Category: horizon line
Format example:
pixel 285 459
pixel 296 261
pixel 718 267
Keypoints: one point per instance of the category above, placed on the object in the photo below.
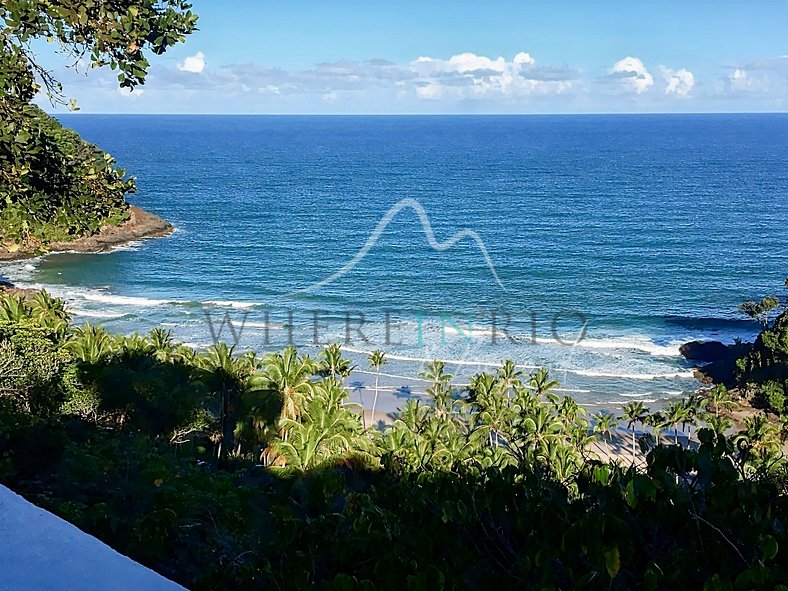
pixel 383 114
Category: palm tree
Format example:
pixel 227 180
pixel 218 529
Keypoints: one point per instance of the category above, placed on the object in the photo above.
pixel 226 375
pixel 508 377
pixel 676 413
pixel 539 429
pixel 13 308
pixel 604 423
pixel 440 388
pixel 489 406
pixel 633 413
pixel 540 381
pixel 413 416
pixel 329 394
pixel 131 345
pixel 719 399
pixel 290 375
pixel 435 372
pixel 562 460
pixel 49 312
pixel 568 410
pixel 762 436
pixel 377 359
pixel 693 405
pixel 480 387
pixel 161 344
pixel 657 422
pixel 311 444
pixel 718 423
pixel 183 354
pixel 90 344
pixel 332 362
pixel 326 431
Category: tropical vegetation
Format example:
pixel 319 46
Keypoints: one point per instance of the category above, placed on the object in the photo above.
pixel 54 186
pixel 763 372
pixel 225 469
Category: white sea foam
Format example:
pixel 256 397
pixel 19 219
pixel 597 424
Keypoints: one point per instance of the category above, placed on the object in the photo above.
pixel 635 344
pixel 229 304
pixel 631 376
pixel 478 363
pixel 485 335
pixel 197 346
pixel 581 372
pixel 255 324
pixel 129 246
pixel 466 332
pixel 118 300
pixel 96 313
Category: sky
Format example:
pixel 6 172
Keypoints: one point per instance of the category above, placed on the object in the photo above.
pixel 455 57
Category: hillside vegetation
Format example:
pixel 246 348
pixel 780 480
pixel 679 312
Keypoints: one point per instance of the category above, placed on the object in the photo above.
pixel 226 471
pixel 53 185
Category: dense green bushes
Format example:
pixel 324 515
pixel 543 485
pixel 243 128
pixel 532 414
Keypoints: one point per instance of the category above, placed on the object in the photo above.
pixel 54 186
pixel 225 471
pixel 764 370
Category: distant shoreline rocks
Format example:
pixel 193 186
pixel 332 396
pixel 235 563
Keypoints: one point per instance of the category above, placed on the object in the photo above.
pixel 717 361
pixel 140 225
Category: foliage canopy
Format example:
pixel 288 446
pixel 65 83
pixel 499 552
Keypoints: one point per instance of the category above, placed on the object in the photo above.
pixel 225 470
pixel 53 185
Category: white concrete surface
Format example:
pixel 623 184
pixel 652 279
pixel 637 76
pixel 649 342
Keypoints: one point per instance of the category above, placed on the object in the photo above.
pixel 41 552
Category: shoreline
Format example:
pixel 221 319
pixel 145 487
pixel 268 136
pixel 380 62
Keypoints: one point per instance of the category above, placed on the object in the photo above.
pixel 141 225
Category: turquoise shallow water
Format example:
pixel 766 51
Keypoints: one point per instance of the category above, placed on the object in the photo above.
pixel 646 230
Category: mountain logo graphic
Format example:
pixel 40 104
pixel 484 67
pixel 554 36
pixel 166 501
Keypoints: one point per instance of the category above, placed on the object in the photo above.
pixel 425 223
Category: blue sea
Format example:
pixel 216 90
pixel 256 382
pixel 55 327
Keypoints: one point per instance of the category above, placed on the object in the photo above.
pixel 592 245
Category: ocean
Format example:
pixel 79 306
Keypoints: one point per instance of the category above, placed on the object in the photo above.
pixel 591 245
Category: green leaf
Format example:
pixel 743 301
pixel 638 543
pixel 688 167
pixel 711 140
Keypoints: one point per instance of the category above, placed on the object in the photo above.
pixel 715 583
pixel 612 561
pixel 651 578
pixel 769 547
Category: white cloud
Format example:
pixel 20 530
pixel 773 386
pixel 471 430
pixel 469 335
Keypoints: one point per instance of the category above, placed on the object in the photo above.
pixel 765 79
pixel 133 93
pixel 679 82
pixel 194 63
pixel 633 74
pixel 523 58
pixel 739 80
pixel 470 76
pixel 464 76
pixel 464 82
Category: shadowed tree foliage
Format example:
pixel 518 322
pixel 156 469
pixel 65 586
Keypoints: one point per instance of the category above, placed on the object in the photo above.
pixel 501 488
pixel 764 370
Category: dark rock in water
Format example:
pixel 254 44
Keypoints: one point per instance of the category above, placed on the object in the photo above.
pixel 9 289
pixel 718 360
pixel 713 351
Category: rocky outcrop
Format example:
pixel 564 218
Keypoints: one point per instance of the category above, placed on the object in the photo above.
pixel 716 360
pixel 141 224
